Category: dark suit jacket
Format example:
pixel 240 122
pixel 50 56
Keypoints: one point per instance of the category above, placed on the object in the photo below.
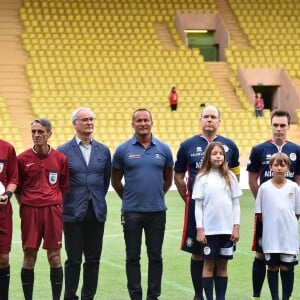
pixel 87 183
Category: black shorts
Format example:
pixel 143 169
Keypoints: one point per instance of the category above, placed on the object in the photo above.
pixel 188 240
pixel 218 246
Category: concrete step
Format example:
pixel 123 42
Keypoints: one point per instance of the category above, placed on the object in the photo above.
pixel 16 94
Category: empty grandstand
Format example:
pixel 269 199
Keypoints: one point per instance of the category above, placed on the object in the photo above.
pixel 117 55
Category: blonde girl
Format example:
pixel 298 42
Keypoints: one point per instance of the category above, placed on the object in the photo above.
pixel 217 212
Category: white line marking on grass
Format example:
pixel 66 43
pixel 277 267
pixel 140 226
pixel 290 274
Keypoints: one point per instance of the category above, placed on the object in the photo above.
pixel 167 232
pixel 173 284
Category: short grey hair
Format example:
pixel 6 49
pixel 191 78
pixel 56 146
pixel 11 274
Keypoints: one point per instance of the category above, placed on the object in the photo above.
pixel 77 110
pixel 44 122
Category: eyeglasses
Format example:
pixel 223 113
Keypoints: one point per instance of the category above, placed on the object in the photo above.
pixel 85 120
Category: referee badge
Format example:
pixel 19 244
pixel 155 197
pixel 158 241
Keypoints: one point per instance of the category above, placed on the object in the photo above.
pixel 52 177
pixel 206 250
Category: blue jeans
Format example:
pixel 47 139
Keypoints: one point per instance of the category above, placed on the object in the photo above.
pixel 153 225
pixel 259 113
pixel 83 238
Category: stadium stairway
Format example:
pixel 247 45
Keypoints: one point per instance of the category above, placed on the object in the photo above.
pixel 237 36
pixel 14 87
pixel 165 36
pixel 220 73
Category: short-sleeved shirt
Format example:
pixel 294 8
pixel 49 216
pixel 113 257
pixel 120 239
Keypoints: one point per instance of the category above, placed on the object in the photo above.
pixel 43 178
pixel 8 164
pixel 260 157
pixel 8 175
pixel 191 152
pixel 143 174
pixel 279 207
pixel 259 103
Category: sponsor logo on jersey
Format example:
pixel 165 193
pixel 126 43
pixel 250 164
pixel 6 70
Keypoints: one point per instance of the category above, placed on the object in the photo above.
pixel 198 152
pixel 134 156
pixel 53 177
pixel 288 174
pixel 1 167
pixel 198 164
pixel 199 149
pixel 29 164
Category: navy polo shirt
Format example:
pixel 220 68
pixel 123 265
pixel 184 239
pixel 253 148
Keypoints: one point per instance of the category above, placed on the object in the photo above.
pixel 143 174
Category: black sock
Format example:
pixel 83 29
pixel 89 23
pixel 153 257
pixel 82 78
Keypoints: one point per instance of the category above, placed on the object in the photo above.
pixel 4 283
pixel 196 267
pixel 220 287
pixel 258 275
pixel 287 282
pixel 56 278
pixel 273 283
pixel 27 278
pixel 208 286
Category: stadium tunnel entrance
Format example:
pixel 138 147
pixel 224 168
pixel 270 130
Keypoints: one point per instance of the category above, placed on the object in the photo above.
pixel 268 94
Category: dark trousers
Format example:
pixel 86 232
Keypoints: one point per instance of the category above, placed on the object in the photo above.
pixel 83 238
pixel 153 225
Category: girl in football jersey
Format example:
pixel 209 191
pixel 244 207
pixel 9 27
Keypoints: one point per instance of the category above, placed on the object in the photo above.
pixel 278 205
pixel 217 212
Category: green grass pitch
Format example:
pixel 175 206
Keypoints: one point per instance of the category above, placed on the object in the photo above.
pixel 176 284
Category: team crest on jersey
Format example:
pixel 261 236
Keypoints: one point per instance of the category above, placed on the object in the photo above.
pixel 1 167
pixel 53 177
pixel 206 250
pixel 189 242
pixel 225 148
pixel 267 256
pixel 293 156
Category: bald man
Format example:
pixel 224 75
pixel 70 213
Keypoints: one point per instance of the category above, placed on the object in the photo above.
pixel 187 165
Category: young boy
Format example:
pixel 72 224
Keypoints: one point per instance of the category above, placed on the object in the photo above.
pixel 278 205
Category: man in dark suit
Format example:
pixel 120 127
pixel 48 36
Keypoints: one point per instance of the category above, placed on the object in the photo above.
pixel 85 207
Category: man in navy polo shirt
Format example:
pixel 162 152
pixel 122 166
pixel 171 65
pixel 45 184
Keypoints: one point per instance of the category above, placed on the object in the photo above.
pixel 147 166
